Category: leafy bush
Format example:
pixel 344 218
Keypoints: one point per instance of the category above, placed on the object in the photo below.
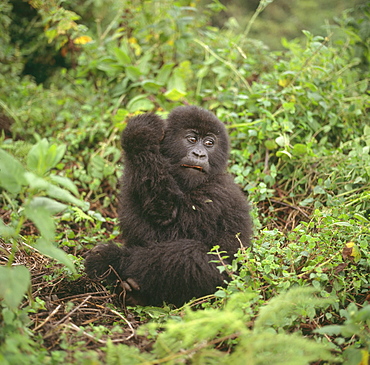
pixel 32 196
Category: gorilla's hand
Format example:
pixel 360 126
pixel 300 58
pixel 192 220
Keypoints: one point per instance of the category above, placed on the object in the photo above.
pixel 131 293
pixel 142 133
pixel 103 261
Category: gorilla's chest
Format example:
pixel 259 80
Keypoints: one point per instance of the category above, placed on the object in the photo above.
pixel 199 217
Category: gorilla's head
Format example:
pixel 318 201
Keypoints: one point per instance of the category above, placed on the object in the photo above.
pixel 197 145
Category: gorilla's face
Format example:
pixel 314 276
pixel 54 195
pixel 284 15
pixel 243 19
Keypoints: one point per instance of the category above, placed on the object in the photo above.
pixel 196 144
pixel 198 149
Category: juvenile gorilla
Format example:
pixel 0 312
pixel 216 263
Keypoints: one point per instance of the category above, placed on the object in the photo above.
pixel 177 202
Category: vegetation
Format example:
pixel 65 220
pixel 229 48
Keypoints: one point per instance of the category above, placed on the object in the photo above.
pixel 300 150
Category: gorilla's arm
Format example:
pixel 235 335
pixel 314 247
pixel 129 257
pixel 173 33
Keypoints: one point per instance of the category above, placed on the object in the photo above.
pixel 148 181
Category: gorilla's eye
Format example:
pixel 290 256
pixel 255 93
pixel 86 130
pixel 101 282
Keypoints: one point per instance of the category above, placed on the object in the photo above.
pixel 192 139
pixel 209 142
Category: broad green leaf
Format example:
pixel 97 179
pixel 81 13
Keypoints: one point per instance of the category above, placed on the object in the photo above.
pixel 6 231
pixel 144 63
pixel 299 149
pixel 203 72
pixel 176 85
pixel 11 173
pixel 122 57
pixel 282 141
pixel 318 190
pixel 329 330
pixel 14 284
pixel 140 102
pixel 133 73
pixel 52 206
pixel 174 95
pixel 110 66
pixel 270 144
pixel 164 73
pixel 35 182
pixel 289 107
pixel 43 221
pixel 43 156
pixel 64 195
pixel 65 182
pixel 48 249
pixel 120 116
pixel 151 86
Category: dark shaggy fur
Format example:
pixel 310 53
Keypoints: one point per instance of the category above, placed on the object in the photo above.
pixel 177 202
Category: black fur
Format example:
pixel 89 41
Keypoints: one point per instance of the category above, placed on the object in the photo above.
pixel 177 202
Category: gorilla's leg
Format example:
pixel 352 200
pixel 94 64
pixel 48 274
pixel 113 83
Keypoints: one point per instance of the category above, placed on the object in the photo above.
pixel 172 272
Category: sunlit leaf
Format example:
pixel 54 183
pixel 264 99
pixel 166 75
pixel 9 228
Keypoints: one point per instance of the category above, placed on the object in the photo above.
pixel 174 94
pixel 82 40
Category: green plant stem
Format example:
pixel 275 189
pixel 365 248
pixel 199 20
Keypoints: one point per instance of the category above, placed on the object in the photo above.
pixel 261 7
pixel 317 266
pixel 227 63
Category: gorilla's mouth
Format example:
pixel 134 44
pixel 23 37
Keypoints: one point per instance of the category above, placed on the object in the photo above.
pixel 199 168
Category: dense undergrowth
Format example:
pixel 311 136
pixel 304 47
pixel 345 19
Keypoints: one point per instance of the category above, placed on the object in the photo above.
pixel 300 140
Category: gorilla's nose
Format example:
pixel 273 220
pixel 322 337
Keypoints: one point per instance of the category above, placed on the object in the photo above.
pixel 199 154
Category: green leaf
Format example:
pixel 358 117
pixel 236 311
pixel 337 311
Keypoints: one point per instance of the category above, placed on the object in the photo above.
pixel 282 141
pixel 35 182
pixel 140 102
pixel 65 182
pixel 203 72
pixel 43 221
pixel 120 116
pixel 48 249
pixel 318 190
pixel 122 57
pixel 283 153
pixel 6 231
pixel 133 73
pixel 64 195
pixel 14 284
pixel 299 149
pixel 11 173
pixel 176 85
pixel 52 206
pixel 151 86
pixel 164 73
pixel 110 66
pixel 329 330
pixel 270 145
pixel 144 64
pixel 43 156
pixel 289 107
pixel 174 95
